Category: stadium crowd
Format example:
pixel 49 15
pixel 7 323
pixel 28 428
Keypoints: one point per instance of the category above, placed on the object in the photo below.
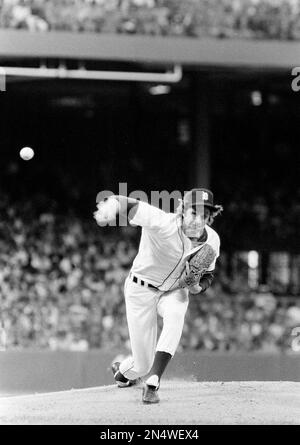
pixel 272 19
pixel 262 218
pixel 61 287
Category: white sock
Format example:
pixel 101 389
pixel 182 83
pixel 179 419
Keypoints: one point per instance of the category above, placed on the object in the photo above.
pixel 153 380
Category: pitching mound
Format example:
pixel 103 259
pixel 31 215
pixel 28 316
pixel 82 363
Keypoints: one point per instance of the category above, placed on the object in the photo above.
pixel 181 403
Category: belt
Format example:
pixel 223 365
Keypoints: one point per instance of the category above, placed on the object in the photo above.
pixel 141 282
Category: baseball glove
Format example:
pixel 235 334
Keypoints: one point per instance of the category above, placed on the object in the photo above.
pixel 196 266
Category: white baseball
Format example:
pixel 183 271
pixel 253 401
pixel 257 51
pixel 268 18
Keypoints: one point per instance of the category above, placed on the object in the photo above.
pixel 26 153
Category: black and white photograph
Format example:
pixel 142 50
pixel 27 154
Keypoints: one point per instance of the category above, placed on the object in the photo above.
pixel 149 215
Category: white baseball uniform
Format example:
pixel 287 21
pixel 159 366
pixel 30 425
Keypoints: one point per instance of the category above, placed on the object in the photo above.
pixel 163 252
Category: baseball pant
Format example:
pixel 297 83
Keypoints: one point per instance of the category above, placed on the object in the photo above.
pixel 142 306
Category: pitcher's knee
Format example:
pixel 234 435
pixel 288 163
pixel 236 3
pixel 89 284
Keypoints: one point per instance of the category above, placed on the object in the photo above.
pixel 142 369
pixel 175 316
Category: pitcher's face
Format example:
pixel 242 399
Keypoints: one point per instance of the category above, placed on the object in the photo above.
pixel 194 220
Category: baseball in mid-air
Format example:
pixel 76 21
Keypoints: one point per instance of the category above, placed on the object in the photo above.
pixel 26 153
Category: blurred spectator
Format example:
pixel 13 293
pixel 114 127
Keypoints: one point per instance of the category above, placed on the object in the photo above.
pixel 272 19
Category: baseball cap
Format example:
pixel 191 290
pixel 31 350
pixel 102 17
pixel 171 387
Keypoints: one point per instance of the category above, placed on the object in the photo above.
pixel 199 196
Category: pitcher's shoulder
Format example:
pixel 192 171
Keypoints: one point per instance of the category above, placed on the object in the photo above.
pixel 174 222
pixel 172 226
pixel 213 235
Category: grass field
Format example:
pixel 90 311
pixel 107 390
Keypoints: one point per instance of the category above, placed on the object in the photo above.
pixel 211 403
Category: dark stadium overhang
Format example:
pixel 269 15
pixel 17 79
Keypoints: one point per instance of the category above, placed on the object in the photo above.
pixel 150 49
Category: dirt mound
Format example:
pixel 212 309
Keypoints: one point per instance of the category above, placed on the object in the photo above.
pixel 199 403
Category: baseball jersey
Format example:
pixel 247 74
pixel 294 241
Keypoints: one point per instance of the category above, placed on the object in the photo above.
pixel 164 248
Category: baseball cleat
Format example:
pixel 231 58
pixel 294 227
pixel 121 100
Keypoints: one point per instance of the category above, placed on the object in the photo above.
pixel 120 379
pixel 150 390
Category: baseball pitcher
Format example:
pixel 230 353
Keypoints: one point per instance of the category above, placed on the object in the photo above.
pixel 177 256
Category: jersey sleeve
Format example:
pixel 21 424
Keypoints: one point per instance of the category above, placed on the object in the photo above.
pixel 150 217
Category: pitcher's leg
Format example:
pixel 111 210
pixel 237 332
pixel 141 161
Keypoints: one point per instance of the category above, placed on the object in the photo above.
pixel 141 315
pixel 172 307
